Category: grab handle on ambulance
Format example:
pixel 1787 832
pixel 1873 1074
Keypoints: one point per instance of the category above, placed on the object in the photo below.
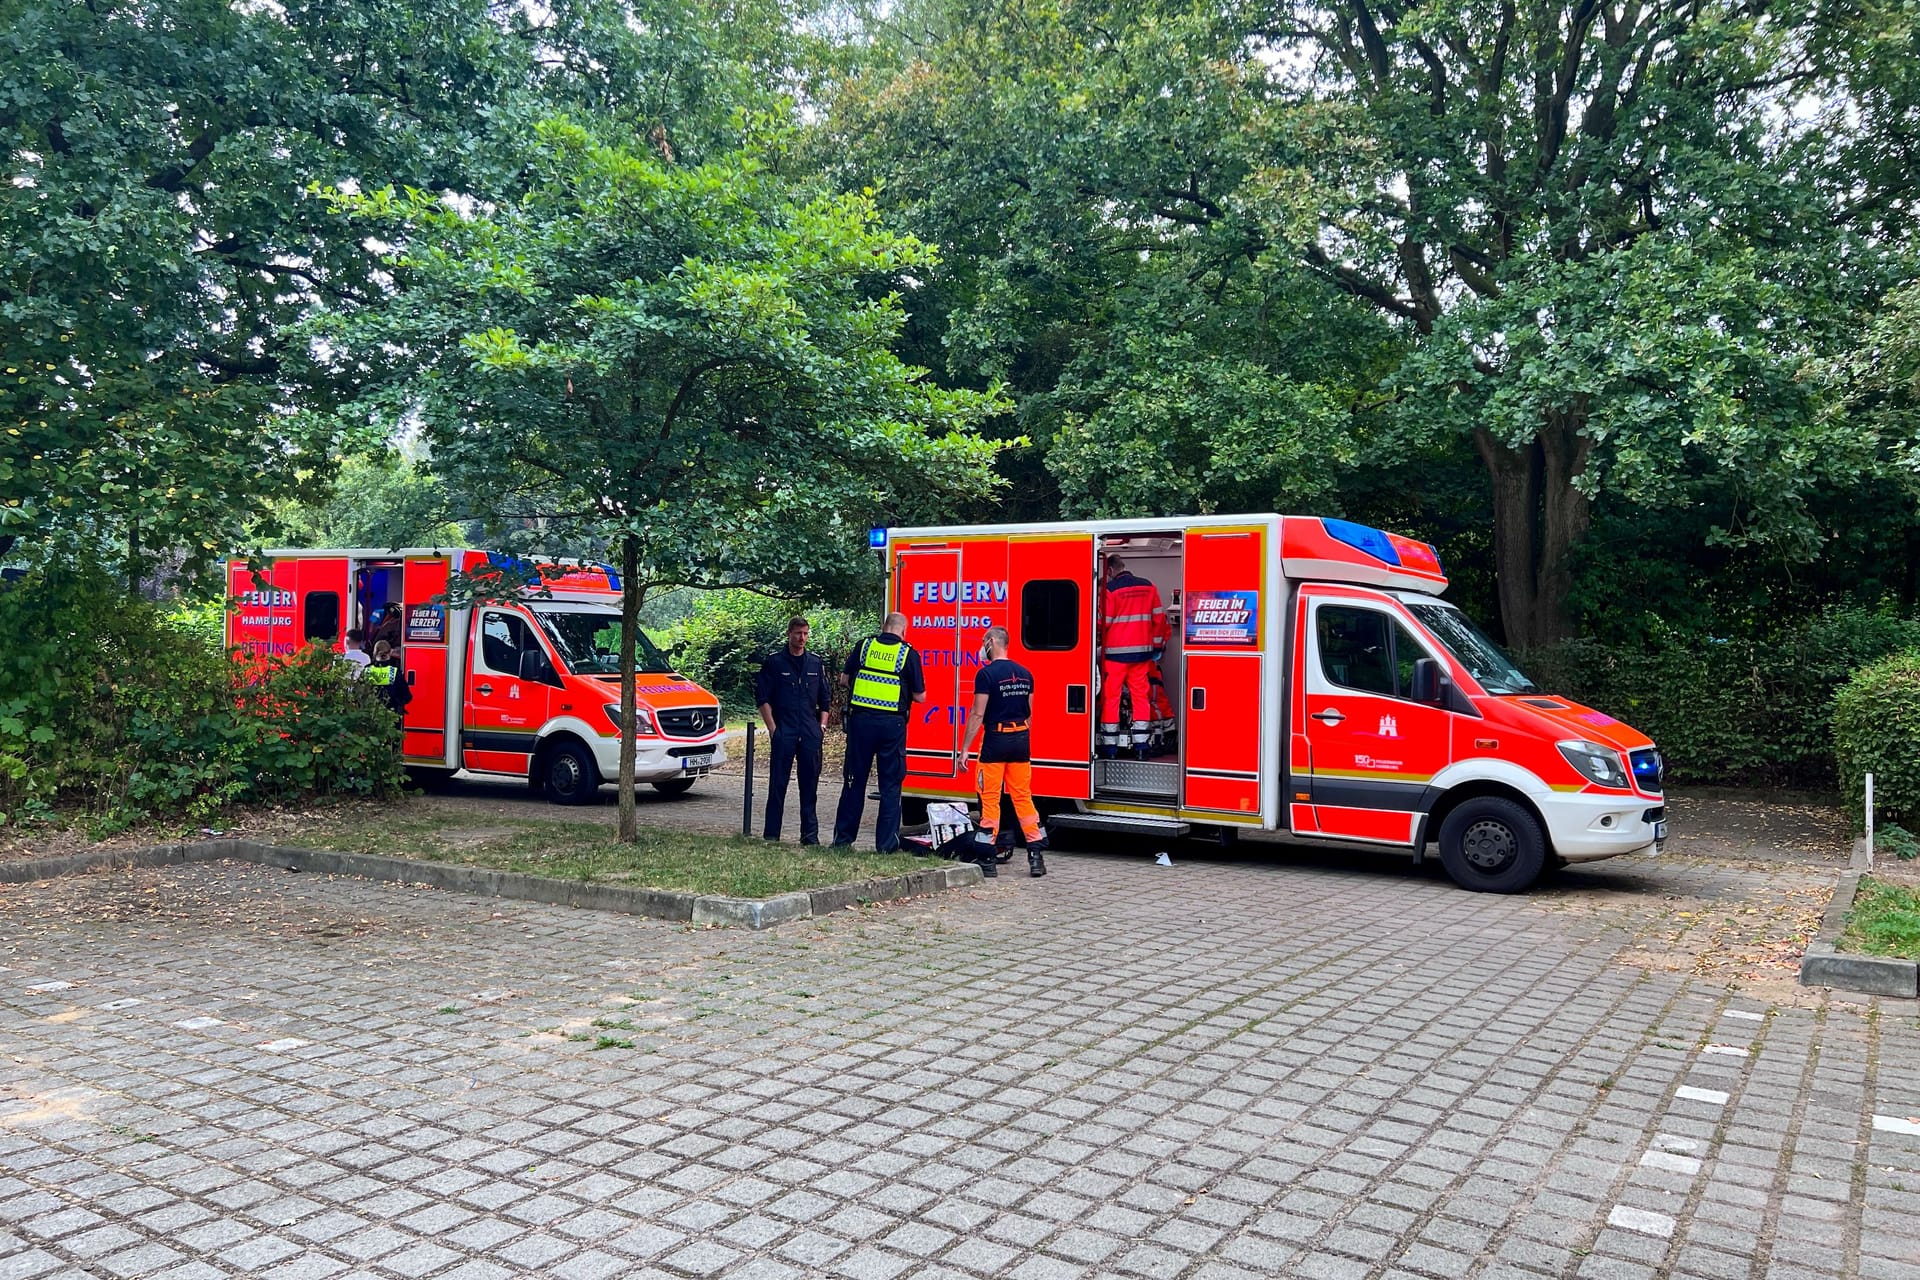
pixel 1076 699
pixel 1197 698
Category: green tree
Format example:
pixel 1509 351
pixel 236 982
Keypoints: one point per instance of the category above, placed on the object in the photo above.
pixel 687 364
pixel 383 501
pixel 1612 239
pixel 163 238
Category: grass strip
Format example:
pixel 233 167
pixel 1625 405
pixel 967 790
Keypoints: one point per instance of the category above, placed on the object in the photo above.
pixel 1885 921
pixel 684 861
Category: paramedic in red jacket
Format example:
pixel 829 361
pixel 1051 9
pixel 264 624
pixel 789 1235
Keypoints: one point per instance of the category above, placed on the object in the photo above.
pixel 1133 635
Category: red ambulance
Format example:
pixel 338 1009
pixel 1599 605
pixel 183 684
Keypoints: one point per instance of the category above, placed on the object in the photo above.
pixel 1322 693
pixel 528 689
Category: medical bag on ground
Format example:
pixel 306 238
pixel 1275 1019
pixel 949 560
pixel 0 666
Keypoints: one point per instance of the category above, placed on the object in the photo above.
pixel 950 831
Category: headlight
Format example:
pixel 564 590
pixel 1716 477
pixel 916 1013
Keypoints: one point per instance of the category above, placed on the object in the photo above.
pixel 640 713
pixel 1596 763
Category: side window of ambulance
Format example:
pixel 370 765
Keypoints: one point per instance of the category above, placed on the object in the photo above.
pixel 502 636
pixel 1354 650
pixel 322 620
pixel 1050 614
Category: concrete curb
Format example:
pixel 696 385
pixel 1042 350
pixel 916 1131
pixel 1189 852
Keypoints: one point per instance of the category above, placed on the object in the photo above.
pixel 662 904
pixel 1824 965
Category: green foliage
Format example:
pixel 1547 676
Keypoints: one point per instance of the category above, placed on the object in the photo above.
pixel 382 502
pixel 1892 838
pixel 1581 242
pixel 164 235
pixel 1745 711
pixel 723 640
pixel 121 711
pixel 1885 920
pixel 1876 729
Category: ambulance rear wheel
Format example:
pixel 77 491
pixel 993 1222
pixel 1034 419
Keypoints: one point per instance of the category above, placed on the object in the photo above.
pixel 673 786
pixel 568 774
pixel 1492 845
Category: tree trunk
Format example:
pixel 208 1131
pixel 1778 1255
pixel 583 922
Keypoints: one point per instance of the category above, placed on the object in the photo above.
pixel 630 596
pixel 1539 518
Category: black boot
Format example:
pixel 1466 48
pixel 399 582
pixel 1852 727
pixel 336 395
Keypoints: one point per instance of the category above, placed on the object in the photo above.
pixel 981 855
pixel 1037 865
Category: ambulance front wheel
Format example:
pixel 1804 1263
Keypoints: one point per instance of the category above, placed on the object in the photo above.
pixel 1492 845
pixel 568 774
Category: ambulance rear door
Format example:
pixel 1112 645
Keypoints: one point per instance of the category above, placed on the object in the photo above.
pixel 1228 618
pixel 1050 619
pixel 425 644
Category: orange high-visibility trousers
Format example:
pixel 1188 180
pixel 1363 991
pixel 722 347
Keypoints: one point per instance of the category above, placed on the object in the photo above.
pixel 1016 776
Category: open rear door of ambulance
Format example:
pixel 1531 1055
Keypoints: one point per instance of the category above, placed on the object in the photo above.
pixel 424 646
pixel 1226 760
pixel 1051 624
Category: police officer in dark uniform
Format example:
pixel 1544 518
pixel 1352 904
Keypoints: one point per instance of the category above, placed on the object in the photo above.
pixel 794 699
pixel 883 679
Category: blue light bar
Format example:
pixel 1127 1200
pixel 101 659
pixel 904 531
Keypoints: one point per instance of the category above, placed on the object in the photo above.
pixel 1361 537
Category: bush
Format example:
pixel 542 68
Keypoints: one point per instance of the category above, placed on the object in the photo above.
pixel 723 640
pixel 1876 729
pixel 122 711
pixel 1746 712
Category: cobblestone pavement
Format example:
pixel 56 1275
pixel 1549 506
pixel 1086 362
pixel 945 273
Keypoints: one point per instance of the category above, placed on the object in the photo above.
pixel 1217 1069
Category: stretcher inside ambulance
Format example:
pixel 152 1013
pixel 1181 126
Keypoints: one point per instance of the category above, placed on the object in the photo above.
pixel 527 687
pixel 1303 682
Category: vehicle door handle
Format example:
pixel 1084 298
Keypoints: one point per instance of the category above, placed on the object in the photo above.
pixel 483 689
pixel 1330 716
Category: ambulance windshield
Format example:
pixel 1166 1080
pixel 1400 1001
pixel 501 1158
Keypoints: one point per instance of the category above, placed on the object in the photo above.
pixel 588 642
pixel 1469 645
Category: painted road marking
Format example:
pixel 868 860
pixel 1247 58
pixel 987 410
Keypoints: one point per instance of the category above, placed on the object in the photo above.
pixel 1727 1050
pixel 197 1024
pixel 1895 1124
pixel 281 1046
pixel 1746 1015
pixel 1670 1162
pixel 1715 1096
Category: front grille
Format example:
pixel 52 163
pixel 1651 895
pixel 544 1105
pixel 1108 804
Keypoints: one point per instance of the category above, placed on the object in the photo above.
pixel 1649 770
pixel 679 753
pixel 688 722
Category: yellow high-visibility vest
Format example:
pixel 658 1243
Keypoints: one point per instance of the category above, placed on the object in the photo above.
pixel 876 685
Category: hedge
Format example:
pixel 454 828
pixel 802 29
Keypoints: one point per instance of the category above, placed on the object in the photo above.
pixel 1742 711
pixel 726 636
pixel 113 711
pixel 1876 729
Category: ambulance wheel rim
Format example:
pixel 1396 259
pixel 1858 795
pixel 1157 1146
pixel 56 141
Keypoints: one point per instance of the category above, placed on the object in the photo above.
pixel 1489 846
pixel 564 773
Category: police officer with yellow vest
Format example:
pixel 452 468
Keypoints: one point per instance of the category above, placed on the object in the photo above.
pixel 884 680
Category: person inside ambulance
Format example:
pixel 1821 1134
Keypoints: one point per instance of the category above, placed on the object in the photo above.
pixel 1133 635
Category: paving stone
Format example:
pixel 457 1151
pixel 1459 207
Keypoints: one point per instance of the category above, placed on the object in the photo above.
pixel 1095 1084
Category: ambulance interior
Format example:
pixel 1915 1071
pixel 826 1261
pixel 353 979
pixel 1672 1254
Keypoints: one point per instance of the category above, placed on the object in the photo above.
pixel 1158 558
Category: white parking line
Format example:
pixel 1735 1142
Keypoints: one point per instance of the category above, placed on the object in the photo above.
pixel 1646 1222
pixel 1670 1162
pixel 1895 1124
pixel 1715 1096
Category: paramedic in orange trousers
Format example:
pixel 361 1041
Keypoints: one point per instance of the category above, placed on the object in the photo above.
pixel 1133 635
pixel 1002 707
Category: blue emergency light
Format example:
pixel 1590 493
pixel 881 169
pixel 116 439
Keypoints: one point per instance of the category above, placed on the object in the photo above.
pixel 877 539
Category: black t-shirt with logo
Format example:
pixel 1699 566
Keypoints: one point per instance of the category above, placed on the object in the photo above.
pixel 1009 690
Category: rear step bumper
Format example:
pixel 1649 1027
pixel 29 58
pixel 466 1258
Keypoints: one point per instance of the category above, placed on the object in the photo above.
pixel 1116 824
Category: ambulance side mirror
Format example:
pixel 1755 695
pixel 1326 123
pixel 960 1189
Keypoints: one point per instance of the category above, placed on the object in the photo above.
pixel 1430 684
pixel 535 667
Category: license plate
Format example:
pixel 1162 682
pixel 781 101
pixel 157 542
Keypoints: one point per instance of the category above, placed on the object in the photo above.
pixel 1659 831
pixel 697 762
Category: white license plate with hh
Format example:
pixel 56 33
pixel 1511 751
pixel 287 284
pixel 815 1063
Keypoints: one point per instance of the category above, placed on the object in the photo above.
pixel 697 762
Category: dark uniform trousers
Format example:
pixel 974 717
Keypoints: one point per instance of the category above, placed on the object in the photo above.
pixel 795 747
pixel 873 738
